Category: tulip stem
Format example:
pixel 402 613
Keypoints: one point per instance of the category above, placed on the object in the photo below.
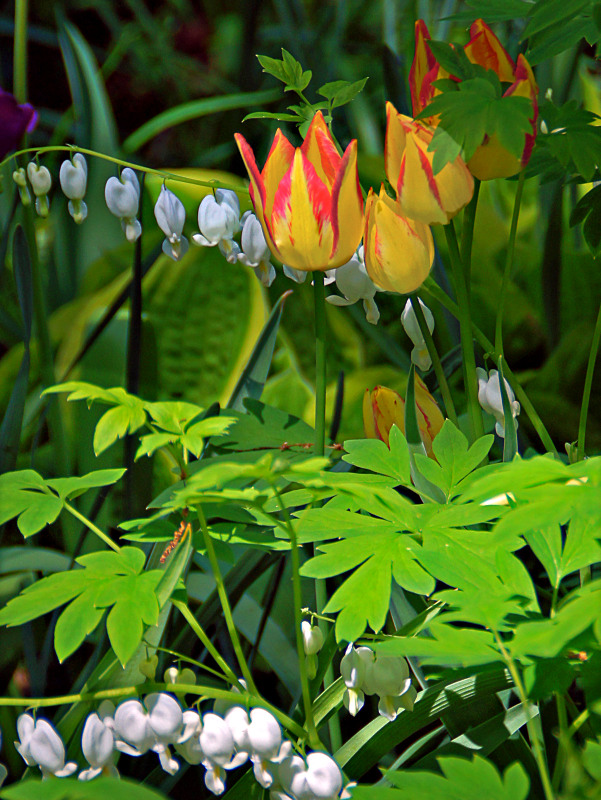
pixel 439 294
pixel 319 296
pixel 588 383
pixel 508 264
pixel 225 603
pixel 467 234
pixel 436 363
pixel 467 342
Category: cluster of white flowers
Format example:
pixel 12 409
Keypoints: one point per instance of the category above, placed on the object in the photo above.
pixel 491 400
pixel 222 739
pixel 387 676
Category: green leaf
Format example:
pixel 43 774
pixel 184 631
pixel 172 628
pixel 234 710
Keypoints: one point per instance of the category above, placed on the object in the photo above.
pixel 452 59
pixel 288 70
pixel 251 381
pixel 510 442
pixel 125 632
pixel 195 109
pixel 115 424
pixel 279 115
pixel 374 455
pixel 339 93
pixel 68 488
pixel 461 780
pixel 450 447
pixel 588 211
pixel 78 620
pixel 73 789
pixel 42 510
pixel 550 12
pixel 462 647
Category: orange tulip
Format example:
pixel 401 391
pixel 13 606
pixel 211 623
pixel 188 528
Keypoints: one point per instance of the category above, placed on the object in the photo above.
pixel 383 408
pixel 398 251
pixel 307 199
pixel 491 159
pixel 422 195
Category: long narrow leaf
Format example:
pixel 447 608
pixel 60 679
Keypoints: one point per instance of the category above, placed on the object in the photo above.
pixel 510 446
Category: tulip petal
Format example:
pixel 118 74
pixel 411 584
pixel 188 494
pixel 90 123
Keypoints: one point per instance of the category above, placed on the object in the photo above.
pixel 257 189
pixel 486 50
pixel 301 217
pixel 347 208
pixel 321 151
pixel 420 74
pixel 277 165
pixel 399 252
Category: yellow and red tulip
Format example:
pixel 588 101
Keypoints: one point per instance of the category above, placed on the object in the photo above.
pixel 307 199
pixel 398 251
pixel 491 159
pixel 422 195
pixel 383 408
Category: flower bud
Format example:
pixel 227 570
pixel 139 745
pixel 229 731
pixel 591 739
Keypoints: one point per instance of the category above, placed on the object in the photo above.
pixel 419 354
pixel 21 181
pixel 312 638
pixel 41 182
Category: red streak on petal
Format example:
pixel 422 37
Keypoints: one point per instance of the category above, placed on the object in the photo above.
pixel 427 167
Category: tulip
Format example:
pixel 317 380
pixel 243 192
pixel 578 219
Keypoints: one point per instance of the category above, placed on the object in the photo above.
pixel 491 159
pixel 383 408
pixel 399 252
pixel 307 199
pixel 15 120
pixel 421 194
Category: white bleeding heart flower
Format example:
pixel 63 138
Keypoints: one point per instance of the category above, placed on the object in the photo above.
pixel 122 197
pixel 219 221
pixel 98 747
pixel 388 677
pixel 170 215
pixel 419 354
pixel 355 284
pixel 218 746
pixel 255 253
pixel 39 744
pixel 317 778
pixel 489 397
pixel 73 178
pixel 353 668
pixel 41 183
pixel 152 726
pixel 296 275
pixel 188 744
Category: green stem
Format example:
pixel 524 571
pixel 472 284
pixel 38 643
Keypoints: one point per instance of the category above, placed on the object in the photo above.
pixel 467 234
pixel 565 743
pixel 508 264
pixel 148 170
pixel 467 342
pixel 588 383
pixel 20 51
pixel 436 363
pixel 193 623
pixel 151 686
pixel 535 740
pixel 225 603
pixel 297 604
pixel 438 294
pixel 94 528
pixel 319 296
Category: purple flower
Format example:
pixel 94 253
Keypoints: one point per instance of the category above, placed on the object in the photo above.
pixel 15 119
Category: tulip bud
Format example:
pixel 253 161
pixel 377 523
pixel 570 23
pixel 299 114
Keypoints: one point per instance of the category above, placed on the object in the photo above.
pixel 383 408
pixel 421 194
pixel 21 181
pixel 170 215
pixel 399 252
pixel 41 182
pixel 419 354
pixel 489 397
pixel 73 178
pixel 122 197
